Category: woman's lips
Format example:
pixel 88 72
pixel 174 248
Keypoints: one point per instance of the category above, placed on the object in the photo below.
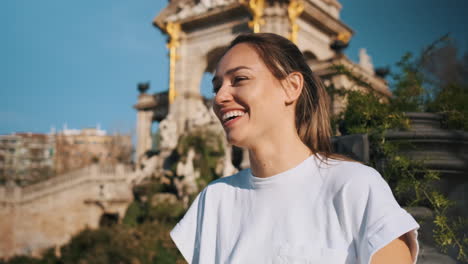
pixel 230 122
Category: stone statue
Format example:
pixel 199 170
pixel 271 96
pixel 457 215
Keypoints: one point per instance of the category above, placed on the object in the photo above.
pixel 256 8
pixel 173 31
pixel 185 8
pixel 190 8
pixel 168 133
pixel 150 167
pixel 295 9
pixel 200 117
pixel 365 61
pixel 185 181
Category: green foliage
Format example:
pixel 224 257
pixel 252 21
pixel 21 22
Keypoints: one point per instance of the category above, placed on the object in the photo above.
pixel 209 149
pixel 134 212
pixel 452 101
pixel 99 245
pixel 368 114
pixel 435 81
pixel 21 260
pixel 412 183
pixel 166 255
pixel 47 258
pixel 408 90
pixel 119 244
pixel 143 237
pixel 142 210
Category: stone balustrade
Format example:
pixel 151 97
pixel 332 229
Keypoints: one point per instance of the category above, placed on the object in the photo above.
pixel 15 194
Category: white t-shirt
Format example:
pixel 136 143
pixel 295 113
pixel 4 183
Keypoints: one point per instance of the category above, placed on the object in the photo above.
pixel 316 212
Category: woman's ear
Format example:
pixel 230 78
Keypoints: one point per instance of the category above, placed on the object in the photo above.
pixel 292 86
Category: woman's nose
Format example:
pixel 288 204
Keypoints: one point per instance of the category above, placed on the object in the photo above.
pixel 223 95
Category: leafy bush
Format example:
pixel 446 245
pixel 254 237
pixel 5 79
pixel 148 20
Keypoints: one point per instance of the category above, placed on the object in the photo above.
pixel 452 101
pixel 411 181
pixel 435 81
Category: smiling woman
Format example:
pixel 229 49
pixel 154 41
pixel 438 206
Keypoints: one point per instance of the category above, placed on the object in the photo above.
pixel 299 202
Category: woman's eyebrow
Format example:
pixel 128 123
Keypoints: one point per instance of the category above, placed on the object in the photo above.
pixel 231 71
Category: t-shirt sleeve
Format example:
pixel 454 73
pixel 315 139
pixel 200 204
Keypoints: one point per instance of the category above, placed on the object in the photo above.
pixel 380 217
pixel 186 233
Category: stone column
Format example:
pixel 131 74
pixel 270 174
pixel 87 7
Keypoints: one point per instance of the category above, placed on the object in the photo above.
pixel 339 102
pixel 145 107
pixel 190 67
pixel 144 121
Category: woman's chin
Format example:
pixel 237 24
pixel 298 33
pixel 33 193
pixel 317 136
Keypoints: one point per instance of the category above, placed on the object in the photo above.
pixel 235 140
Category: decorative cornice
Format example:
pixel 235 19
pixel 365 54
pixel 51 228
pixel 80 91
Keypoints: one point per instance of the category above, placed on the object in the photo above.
pixel 323 69
pixel 169 14
pixel 323 20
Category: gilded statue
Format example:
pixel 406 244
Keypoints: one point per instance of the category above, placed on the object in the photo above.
pixel 295 9
pixel 173 30
pixel 256 8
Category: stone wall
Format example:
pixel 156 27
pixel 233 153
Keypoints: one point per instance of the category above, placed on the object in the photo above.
pixel 48 214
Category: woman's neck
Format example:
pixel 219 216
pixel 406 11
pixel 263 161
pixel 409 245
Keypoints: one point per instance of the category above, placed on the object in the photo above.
pixel 270 159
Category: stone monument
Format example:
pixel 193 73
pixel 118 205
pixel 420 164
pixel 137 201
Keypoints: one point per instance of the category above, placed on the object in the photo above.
pixel 198 32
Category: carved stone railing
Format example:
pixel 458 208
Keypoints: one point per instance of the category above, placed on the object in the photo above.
pixel 14 194
pixel 439 149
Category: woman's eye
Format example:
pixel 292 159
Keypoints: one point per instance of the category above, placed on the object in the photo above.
pixel 238 79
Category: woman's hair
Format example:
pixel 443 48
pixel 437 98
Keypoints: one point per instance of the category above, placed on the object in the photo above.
pixel 283 57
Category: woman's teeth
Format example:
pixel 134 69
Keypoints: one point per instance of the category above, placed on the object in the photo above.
pixel 230 114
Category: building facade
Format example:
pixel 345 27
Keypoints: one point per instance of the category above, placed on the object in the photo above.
pixel 77 149
pixel 26 157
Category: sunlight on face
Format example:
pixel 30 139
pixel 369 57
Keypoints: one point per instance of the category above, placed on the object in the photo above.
pixel 249 100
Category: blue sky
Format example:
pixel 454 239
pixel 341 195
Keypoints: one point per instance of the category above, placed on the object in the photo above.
pixel 79 62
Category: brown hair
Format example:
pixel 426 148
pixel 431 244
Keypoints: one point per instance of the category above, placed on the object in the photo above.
pixel 283 57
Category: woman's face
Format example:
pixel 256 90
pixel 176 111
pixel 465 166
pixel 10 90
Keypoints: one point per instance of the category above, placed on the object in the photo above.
pixel 249 100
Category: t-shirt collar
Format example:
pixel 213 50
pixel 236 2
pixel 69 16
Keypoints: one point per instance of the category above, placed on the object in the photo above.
pixel 289 176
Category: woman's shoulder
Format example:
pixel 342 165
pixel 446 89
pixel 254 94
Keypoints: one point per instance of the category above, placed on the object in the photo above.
pixel 364 201
pixel 343 172
pixel 355 185
pixel 235 181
